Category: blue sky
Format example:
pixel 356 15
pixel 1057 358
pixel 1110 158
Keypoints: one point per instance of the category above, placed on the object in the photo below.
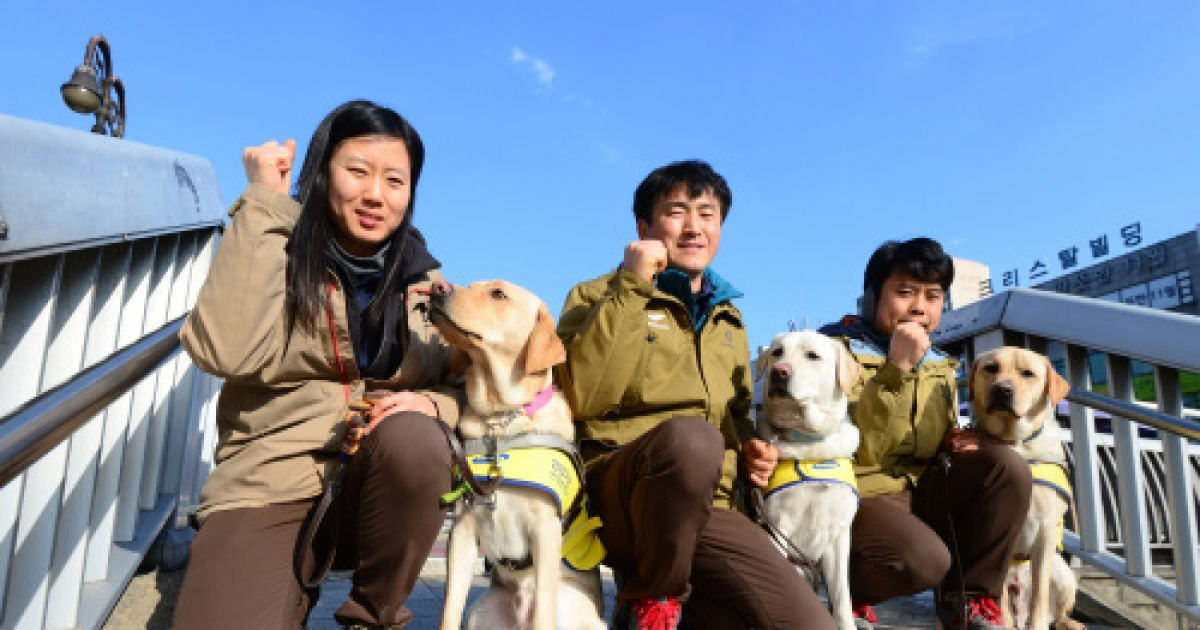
pixel 1007 130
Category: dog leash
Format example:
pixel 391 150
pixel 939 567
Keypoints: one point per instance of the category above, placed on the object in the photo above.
pixel 963 612
pixel 356 422
pixel 798 558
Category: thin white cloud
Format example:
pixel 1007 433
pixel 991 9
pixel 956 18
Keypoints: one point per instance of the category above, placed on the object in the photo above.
pixel 539 67
pixel 929 42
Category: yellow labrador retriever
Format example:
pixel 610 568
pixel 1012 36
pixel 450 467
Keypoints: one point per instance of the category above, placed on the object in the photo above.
pixel 812 496
pixel 1013 393
pixel 522 431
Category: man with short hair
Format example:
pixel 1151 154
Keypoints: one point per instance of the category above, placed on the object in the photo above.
pixel 913 506
pixel 658 377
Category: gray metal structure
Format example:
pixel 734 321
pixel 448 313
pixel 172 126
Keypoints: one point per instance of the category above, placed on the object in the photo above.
pixel 105 426
pixel 1131 493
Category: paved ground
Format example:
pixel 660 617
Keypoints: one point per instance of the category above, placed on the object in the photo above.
pixel 149 601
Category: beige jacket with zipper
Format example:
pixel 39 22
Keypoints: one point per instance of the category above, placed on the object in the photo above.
pixel 281 409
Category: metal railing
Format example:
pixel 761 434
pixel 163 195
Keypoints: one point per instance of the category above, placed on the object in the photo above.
pixel 1128 490
pixel 105 426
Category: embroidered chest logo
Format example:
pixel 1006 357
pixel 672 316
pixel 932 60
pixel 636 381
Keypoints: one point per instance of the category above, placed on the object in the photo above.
pixel 657 320
pixel 728 343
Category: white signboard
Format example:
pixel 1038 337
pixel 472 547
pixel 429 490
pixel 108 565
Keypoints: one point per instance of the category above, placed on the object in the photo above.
pixel 1164 292
pixel 1169 291
pixel 1137 294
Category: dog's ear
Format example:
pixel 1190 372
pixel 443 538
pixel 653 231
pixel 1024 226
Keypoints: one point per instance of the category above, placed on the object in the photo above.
pixel 975 365
pixel 1056 386
pixel 544 349
pixel 459 361
pixel 848 369
pixel 760 366
pixel 971 380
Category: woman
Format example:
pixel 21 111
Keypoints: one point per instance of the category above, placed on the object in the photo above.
pixel 311 303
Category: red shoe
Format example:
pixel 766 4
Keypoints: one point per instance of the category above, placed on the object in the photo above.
pixel 982 614
pixel 656 614
pixel 864 616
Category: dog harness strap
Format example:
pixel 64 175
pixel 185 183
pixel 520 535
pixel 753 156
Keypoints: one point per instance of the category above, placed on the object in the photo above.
pixel 516 564
pixel 466 482
pixel 582 548
pixel 789 472
pixel 526 440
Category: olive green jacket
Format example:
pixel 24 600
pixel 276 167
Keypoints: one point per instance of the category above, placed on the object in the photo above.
pixel 281 409
pixel 634 359
pixel 902 416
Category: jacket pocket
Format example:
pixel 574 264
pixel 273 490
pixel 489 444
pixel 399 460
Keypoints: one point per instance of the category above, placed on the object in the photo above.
pixel 667 372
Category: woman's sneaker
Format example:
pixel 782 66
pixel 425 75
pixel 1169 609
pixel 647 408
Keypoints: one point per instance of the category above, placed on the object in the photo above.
pixel 982 613
pixel 655 614
pixel 864 616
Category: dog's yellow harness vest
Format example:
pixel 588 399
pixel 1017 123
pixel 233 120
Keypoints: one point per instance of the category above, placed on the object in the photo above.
pixel 1052 475
pixel 789 472
pixel 553 472
pixel 547 469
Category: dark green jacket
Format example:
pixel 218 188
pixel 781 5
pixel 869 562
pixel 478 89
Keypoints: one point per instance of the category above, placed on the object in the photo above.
pixel 635 358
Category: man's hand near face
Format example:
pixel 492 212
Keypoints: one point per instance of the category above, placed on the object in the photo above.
pixel 645 258
pixel 909 344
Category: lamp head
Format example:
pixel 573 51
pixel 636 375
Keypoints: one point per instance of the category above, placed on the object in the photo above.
pixel 82 92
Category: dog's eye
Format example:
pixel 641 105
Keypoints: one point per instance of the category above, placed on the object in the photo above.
pixel 812 356
pixel 777 352
pixel 1028 373
pixel 991 368
pixel 498 294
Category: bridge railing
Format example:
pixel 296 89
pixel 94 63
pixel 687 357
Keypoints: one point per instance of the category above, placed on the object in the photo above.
pixel 105 426
pixel 1131 492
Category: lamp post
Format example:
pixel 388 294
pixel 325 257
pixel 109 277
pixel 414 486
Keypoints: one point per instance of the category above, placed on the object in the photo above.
pixel 92 87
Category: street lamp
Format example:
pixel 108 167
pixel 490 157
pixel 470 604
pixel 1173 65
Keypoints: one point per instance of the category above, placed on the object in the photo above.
pixel 91 89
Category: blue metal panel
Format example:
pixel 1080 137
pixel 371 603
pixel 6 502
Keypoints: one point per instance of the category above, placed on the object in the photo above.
pixel 63 189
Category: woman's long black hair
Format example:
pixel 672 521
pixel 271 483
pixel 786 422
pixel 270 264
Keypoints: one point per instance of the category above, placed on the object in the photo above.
pixel 308 247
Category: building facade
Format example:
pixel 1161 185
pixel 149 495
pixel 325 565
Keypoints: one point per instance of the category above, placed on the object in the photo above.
pixel 1158 276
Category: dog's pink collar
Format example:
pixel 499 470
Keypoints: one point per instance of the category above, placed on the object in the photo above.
pixel 539 401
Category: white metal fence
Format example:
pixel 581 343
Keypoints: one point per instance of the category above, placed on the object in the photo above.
pixel 104 424
pixel 1131 493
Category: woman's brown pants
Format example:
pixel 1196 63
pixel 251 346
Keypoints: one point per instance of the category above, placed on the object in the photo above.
pixel 241 571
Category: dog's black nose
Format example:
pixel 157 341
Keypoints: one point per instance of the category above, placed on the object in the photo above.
pixel 441 288
pixel 1003 391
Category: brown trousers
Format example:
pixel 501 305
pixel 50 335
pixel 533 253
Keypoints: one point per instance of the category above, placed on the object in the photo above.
pixel 240 572
pixel 901 543
pixel 655 497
